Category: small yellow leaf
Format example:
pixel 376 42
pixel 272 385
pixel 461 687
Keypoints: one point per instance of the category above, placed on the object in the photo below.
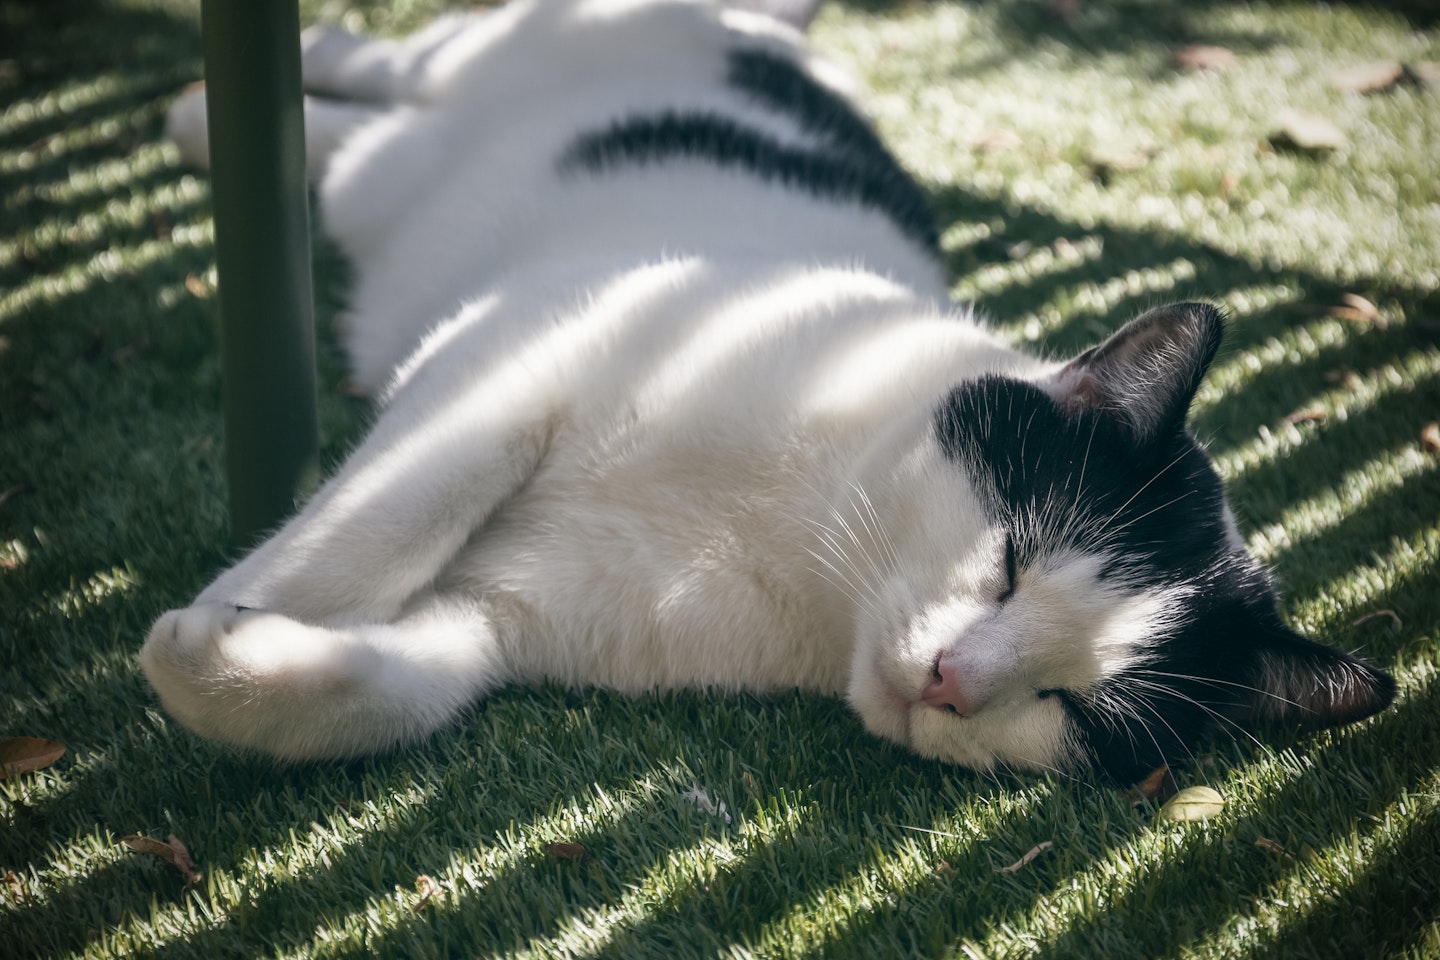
pixel 426 889
pixel 1193 803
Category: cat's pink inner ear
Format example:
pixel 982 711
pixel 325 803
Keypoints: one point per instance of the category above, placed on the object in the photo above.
pixel 1147 372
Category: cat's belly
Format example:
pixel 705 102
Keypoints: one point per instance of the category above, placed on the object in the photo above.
pixel 645 585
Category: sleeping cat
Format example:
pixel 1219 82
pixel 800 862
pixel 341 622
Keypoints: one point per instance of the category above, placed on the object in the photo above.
pixel 672 396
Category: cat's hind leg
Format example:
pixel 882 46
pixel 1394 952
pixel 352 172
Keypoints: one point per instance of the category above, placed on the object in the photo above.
pixel 266 682
pixel 349 66
pixel 328 124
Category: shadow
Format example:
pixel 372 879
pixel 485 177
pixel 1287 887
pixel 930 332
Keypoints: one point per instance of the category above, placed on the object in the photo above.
pixel 143 486
pixel 1245 874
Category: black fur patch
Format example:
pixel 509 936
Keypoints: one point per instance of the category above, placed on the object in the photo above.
pixel 1061 480
pixel 851 164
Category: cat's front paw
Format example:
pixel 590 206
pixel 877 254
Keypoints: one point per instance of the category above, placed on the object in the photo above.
pixel 248 677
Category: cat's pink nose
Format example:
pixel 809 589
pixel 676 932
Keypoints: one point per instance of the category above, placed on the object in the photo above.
pixel 947 692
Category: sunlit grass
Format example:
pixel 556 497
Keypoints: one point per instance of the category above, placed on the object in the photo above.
pixel 1080 179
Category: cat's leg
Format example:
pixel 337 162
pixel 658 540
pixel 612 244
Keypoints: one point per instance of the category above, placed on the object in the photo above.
pixel 337 63
pixel 263 681
pixel 327 125
pixel 380 531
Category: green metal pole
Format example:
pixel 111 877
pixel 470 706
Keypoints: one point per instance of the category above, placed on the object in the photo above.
pixel 262 251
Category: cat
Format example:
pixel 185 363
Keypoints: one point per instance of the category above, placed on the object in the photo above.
pixel 671 395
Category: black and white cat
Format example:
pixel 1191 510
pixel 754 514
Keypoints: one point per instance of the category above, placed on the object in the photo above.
pixel 672 396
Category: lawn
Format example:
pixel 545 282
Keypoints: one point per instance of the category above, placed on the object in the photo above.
pixel 1081 173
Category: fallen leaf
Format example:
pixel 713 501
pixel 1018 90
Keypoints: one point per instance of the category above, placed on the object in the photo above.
pixel 1308 132
pixel 1306 416
pixel 1106 161
pixel 1193 803
pixel 1369 77
pixel 1425 73
pixel 198 288
pixel 1030 854
pixel 1376 615
pixel 171 850
pixel 568 851
pixel 428 890
pixel 1352 306
pixel 19 892
pixel 1430 436
pixel 1345 376
pixel 996 141
pixel 699 796
pixel 1270 846
pixel 1065 9
pixel 1204 56
pixel 26 754
pixel 1159 786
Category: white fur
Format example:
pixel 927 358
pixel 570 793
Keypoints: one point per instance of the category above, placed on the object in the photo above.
pixel 649 429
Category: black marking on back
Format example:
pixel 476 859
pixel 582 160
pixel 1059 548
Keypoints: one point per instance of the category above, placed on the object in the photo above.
pixel 849 165
pixel 777 84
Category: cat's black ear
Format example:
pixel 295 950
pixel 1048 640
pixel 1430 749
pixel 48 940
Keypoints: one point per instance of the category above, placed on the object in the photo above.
pixel 796 13
pixel 1291 680
pixel 1147 372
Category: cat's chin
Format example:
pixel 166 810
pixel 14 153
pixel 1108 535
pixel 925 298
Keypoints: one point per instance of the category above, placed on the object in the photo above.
pixel 882 706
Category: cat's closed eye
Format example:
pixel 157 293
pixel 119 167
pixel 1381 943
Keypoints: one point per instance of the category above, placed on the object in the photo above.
pixel 1010 570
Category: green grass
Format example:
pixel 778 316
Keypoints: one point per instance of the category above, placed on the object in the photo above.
pixel 112 510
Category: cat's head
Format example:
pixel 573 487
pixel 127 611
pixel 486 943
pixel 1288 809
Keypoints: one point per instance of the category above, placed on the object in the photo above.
pixel 1064 584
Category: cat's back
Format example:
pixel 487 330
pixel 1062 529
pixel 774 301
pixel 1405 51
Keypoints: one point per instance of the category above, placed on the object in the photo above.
pixel 550 132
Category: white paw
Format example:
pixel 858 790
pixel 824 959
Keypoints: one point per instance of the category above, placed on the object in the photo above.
pixel 185 124
pixel 249 677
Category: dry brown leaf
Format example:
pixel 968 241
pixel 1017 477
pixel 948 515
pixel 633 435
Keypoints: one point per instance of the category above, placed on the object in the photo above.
pixel 1204 56
pixel 1346 377
pixel 198 288
pixel 1426 73
pixel 25 754
pixel 171 850
pixel 1065 9
pixel 568 851
pixel 1306 416
pixel 1352 306
pixel 1309 132
pixel 1376 615
pixel 19 892
pixel 428 890
pixel 1369 77
pixel 996 141
pixel 1430 436
pixel 1030 854
pixel 1270 846
pixel 1159 786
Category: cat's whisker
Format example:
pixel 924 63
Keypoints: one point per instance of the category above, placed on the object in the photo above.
pixel 877 529
pixel 1204 707
pixel 831 540
pixel 1215 682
